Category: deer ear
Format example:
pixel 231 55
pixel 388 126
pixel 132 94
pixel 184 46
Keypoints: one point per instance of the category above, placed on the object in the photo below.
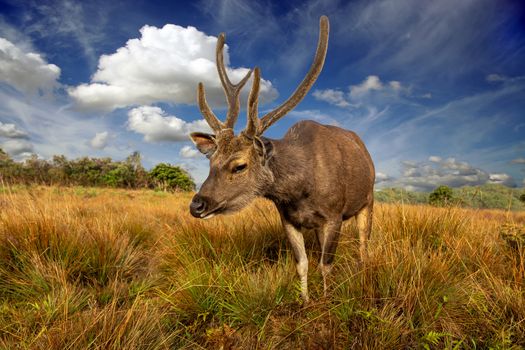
pixel 205 143
pixel 264 148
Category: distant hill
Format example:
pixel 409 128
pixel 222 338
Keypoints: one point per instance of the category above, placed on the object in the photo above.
pixel 485 196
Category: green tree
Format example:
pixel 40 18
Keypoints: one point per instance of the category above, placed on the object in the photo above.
pixel 4 157
pixel 36 170
pixel 170 178
pixel 441 196
pixel 522 197
pixel 121 176
pixel 140 175
pixel 8 168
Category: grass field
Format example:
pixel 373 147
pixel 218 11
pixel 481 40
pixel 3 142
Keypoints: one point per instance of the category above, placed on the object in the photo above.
pixel 116 269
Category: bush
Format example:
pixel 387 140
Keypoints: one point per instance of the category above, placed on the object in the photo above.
pixel 168 177
pixel 522 198
pixel 441 196
pixel 87 171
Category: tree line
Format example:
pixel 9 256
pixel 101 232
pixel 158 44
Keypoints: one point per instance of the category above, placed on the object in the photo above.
pixel 96 172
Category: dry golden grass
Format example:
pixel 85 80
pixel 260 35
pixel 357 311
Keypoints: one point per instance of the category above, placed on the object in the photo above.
pixel 115 269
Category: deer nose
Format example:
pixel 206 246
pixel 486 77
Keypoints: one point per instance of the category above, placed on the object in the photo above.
pixel 197 206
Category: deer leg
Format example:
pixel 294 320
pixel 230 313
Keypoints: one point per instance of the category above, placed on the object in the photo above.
pixel 364 225
pixel 328 237
pixel 297 241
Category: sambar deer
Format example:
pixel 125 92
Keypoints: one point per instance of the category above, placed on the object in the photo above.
pixel 317 175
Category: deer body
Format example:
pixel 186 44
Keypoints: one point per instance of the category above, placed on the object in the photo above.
pixel 321 172
pixel 317 175
pixel 323 175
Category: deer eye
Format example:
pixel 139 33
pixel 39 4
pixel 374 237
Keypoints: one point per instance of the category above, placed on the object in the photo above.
pixel 239 168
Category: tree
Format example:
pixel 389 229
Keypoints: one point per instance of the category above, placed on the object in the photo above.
pixel 441 196
pixel 140 175
pixel 169 178
pixel 4 157
pixel 522 197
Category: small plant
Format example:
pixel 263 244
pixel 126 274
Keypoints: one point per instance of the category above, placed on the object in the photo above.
pixel 441 196
pixel 169 178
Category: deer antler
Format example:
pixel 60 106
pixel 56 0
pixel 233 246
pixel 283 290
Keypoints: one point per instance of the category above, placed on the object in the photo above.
pixel 253 121
pixel 232 92
pixel 258 126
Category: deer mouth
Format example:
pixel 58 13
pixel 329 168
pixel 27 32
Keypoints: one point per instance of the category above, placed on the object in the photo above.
pixel 219 209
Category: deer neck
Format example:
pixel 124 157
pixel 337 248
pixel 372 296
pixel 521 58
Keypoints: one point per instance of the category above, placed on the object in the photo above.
pixel 289 176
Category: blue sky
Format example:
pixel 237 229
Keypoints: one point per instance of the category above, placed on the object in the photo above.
pixel 435 88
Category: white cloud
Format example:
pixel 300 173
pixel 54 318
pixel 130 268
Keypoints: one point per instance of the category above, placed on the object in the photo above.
pixel 165 64
pixel 502 179
pixel 382 177
pixel 372 82
pixel 100 140
pixel 27 72
pixel 189 152
pixel 357 94
pixel 11 131
pixel 425 176
pixel 395 85
pixel 335 97
pixel 156 125
pixel 16 147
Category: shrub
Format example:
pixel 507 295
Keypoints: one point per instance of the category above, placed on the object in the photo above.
pixel 169 178
pixel 441 196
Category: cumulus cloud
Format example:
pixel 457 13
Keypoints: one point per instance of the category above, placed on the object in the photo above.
pixel 502 179
pixel 189 152
pixel 335 97
pixel 100 140
pixel 17 147
pixel 11 131
pixel 356 93
pixel 165 64
pixel 27 72
pixel 372 82
pixel 395 85
pixel 156 125
pixel 382 177
pixel 425 176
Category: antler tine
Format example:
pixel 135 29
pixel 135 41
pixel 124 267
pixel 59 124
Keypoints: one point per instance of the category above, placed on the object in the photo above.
pixel 253 122
pixel 307 82
pixel 232 91
pixel 206 111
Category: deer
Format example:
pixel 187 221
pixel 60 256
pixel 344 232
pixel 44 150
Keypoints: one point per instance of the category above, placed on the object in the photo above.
pixel 317 175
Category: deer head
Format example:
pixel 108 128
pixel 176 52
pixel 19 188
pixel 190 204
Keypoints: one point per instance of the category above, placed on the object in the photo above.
pixel 239 164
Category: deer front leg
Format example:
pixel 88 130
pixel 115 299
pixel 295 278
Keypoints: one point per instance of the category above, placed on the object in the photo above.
pixel 297 241
pixel 328 237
